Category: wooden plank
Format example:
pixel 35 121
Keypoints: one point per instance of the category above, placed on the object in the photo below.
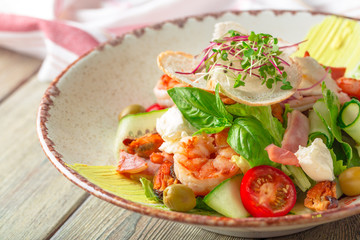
pixel 15 69
pixel 96 219
pixel 35 199
pixel 348 228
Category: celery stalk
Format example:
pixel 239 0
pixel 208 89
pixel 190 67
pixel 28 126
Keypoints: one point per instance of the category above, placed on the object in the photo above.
pixel 300 178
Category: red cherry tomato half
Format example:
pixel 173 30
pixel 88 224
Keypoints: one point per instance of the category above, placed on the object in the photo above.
pixel 154 107
pixel 267 192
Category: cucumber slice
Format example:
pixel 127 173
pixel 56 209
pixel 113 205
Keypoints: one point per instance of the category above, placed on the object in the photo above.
pixel 318 129
pixel 299 207
pixel 323 114
pixel 349 119
pixel 225 198
pixel 134 126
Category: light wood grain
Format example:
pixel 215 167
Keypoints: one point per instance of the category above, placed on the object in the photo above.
pixel 105 221
pixel 15 69
pixel 35 199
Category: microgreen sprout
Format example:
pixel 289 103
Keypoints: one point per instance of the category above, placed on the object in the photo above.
pixel 240 56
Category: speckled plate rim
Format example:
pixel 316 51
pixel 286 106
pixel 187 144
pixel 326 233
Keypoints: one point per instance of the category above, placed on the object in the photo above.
pixel 57 160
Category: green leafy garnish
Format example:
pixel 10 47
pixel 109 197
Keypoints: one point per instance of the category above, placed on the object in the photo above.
pixel 338 165
pixel 149 191
pixel 249 138
pixel 203 110
pixel 239 56
pixel 264 115
pixel 327 109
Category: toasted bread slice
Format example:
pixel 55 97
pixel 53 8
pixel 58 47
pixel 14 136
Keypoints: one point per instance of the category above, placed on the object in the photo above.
pixel 222 28
pixel 175 64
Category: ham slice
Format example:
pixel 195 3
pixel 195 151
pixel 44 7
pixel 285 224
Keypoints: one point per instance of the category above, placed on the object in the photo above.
pixel 303 103
pixel 297 131
pixel 281 155
pixel 151 169
pixel 132 163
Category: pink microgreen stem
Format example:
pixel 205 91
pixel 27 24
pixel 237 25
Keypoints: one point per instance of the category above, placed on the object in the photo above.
pixel 293 45
pixel 234 54
pixel 208 48
pixel 236 38
pixel 283 61
pixel 228 67
pixel 248 72
pixel 258 66
pixel 184 73
pixel 198 66
pixel 275 66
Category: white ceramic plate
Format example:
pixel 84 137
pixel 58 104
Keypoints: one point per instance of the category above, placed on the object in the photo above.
pixel 77 118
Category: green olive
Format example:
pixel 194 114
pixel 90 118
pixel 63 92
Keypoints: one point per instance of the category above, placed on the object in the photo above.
pixel 179 197
pixel 131 109
pixel 350 181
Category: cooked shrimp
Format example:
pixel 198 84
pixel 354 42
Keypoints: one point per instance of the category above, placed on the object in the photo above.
pixel 165 83
pixel 161 157
pixel 203 161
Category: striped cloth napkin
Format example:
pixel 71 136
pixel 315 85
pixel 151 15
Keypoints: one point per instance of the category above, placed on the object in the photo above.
pixel 59 31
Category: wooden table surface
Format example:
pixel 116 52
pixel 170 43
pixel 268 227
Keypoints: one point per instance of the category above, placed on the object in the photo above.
pixel 38 202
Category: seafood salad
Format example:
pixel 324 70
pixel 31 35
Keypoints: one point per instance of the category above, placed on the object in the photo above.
pixel 246 128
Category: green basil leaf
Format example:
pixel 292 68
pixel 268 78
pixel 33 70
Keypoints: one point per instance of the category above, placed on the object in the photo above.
pixel 249 138
pixel 201 109
pixel 264 115
pixel 211 130
pixel 221 106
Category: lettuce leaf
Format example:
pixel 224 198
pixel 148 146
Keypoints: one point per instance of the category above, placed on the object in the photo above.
pixel 338 165
pixel 355 160
pixel 263 115
pixel 287 110
pixel 149 190
pixel 328 109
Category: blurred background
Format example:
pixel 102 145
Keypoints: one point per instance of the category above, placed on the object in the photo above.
pixel 52 29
